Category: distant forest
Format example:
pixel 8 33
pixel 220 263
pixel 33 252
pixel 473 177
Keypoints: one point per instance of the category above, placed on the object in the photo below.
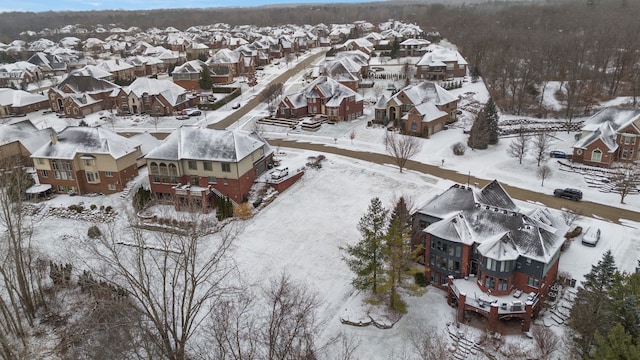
pixel 592 46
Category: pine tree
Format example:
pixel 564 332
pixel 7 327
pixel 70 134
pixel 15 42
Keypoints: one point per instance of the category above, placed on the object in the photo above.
pixel 205 81
pixel 618 344
pixel 492 121
pixel 365 258
pixel 479 134
pixel 400 257
pixel 594 311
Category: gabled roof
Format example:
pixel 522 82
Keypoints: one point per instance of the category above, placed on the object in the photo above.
pixel 88 140
pixel 86 84
pixel 437 55
pixel 425 92
pixel 605 126
pixel 26 133
pixel 490 218
pixel 200 143
pixel 429 111
pixel 173 93
pixel 92 71
pixel 19 98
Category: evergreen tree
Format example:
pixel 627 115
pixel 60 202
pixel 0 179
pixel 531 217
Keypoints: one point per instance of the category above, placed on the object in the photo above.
pixel 205 81
pixel 626 298
pixel 400 257
pixel 618 344
pixel 492 121
pixel 479 134
pixel 594 310
pixel 366 258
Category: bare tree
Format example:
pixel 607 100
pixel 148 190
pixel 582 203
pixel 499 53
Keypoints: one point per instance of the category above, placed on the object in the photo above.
pixel 541 145
pixel 155 120
pixel 234 329
pixel 352 135
pixel 519 146
pixel 291 327
pixel 172 280
pixel 401 147
pixel 626 181
pixel 20 292
pixel 428 345
pixel 348 346
pixel 547 342
pixel 544 172
pixel 570 216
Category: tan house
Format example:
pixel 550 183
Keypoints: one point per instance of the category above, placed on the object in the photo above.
pixel 85 160
pixel 18 141
pixel 612 135
pixel 195 166
pixel 440 63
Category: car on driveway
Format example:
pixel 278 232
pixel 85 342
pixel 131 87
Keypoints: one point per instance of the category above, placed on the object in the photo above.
pixel 558 154
pixel 193 112
pixel 568 193
pixel 236 106
pixel 279 173
pixel 591 236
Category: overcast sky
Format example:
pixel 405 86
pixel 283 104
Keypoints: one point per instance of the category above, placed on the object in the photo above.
pixel 84 5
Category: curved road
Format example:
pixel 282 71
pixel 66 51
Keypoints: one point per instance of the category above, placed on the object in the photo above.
pixel 583 207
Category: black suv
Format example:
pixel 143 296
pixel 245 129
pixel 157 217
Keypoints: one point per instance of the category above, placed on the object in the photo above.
pixel 568 193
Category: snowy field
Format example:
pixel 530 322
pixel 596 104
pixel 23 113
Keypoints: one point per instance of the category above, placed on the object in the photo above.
pixel 301 231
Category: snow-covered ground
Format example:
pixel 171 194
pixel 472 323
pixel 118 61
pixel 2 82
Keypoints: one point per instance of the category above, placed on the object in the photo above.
pixel 302 230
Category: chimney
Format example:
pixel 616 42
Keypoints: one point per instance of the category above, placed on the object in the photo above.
pixel 54 138
pixel 117 62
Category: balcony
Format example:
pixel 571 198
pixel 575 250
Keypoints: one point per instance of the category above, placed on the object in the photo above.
pixel 190 190
pixel 510 304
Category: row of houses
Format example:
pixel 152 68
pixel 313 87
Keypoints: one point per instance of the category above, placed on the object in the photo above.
pixel 190 169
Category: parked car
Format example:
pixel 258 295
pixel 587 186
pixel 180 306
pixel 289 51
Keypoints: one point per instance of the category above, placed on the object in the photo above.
pixel 391 87
pixel 236 106
pixel 568 193
pixel 377 68
pixel 558 154
pixel 279 173
pixel 591 236
pixel 193 112
pixel 259 67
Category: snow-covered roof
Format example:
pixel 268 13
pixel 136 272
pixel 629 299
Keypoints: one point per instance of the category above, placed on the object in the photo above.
pixel 201 143
pixel 173 93
pixel 437 55
pixel 429 111
pixel 89 140
pixel 425 92
pixel 490 218
pixel 605 126
pixel 92 71
pixel 26 133
pixel 19 98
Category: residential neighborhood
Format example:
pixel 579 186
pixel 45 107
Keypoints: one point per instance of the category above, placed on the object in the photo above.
pixel 368 168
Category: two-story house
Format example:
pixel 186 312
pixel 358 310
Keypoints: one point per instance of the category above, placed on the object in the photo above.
pixel 83 160
pixel 153 96
pixel 486 251
pixel 323 96
pixel 80 95
pixel 193 166
pixel 440 63
pixel 611 135
pixel 421 109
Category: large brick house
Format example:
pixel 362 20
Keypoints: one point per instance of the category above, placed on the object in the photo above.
pixel 154 97
pixel 440 63
pixel 83 160
pixel 193 166
pixel 80 95
pixel 611 135
pixel 421 109
pixel 323 96
pixel 188 74
pixel 20 102
pixel 486 251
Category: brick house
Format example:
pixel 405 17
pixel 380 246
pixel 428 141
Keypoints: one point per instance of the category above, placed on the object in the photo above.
pixel 80 95
pixel 486 251
pixel 154 97
pixel 188 74
pixel 19 102
pixel 83 160
pixel 440 63
pixel 611 135
pixel 323 96
pixel 421 109
pixel 193 166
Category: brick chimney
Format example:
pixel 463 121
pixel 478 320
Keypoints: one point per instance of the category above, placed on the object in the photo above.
pixel 54 138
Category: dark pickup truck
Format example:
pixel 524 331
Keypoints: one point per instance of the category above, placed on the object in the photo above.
pixel 568 193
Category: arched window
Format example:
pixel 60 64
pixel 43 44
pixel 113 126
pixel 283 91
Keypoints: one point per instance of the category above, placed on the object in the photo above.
pixel 153 168
pixel 596 155
pixel 414 126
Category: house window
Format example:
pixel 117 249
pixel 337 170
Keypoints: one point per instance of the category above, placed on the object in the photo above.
pixel 89 162
pixel 502 284
pixel 533 282
pixel 224 181
pixel 108 173
pixel 41 161
pixel 193 165
pixel 212 180
pixel 461 66
pixel 207 165
pixel 624 153
pixel 44 173
pixel 60 188
pixel 112 186
pixel 93 177
pixel 414 126
pixel 195 180
pixel 596 155
pixel 75 111
pixel 489 282
pixel 226 167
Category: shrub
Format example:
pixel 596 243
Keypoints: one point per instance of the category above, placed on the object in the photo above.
pixel 94 232
pixel 459 148
pixel 93 206
pixel 257 203
pixel 101 207
pixel 108 209
pixel 76 208
pixel 242 211
pixel 141 199
pixel 420 279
